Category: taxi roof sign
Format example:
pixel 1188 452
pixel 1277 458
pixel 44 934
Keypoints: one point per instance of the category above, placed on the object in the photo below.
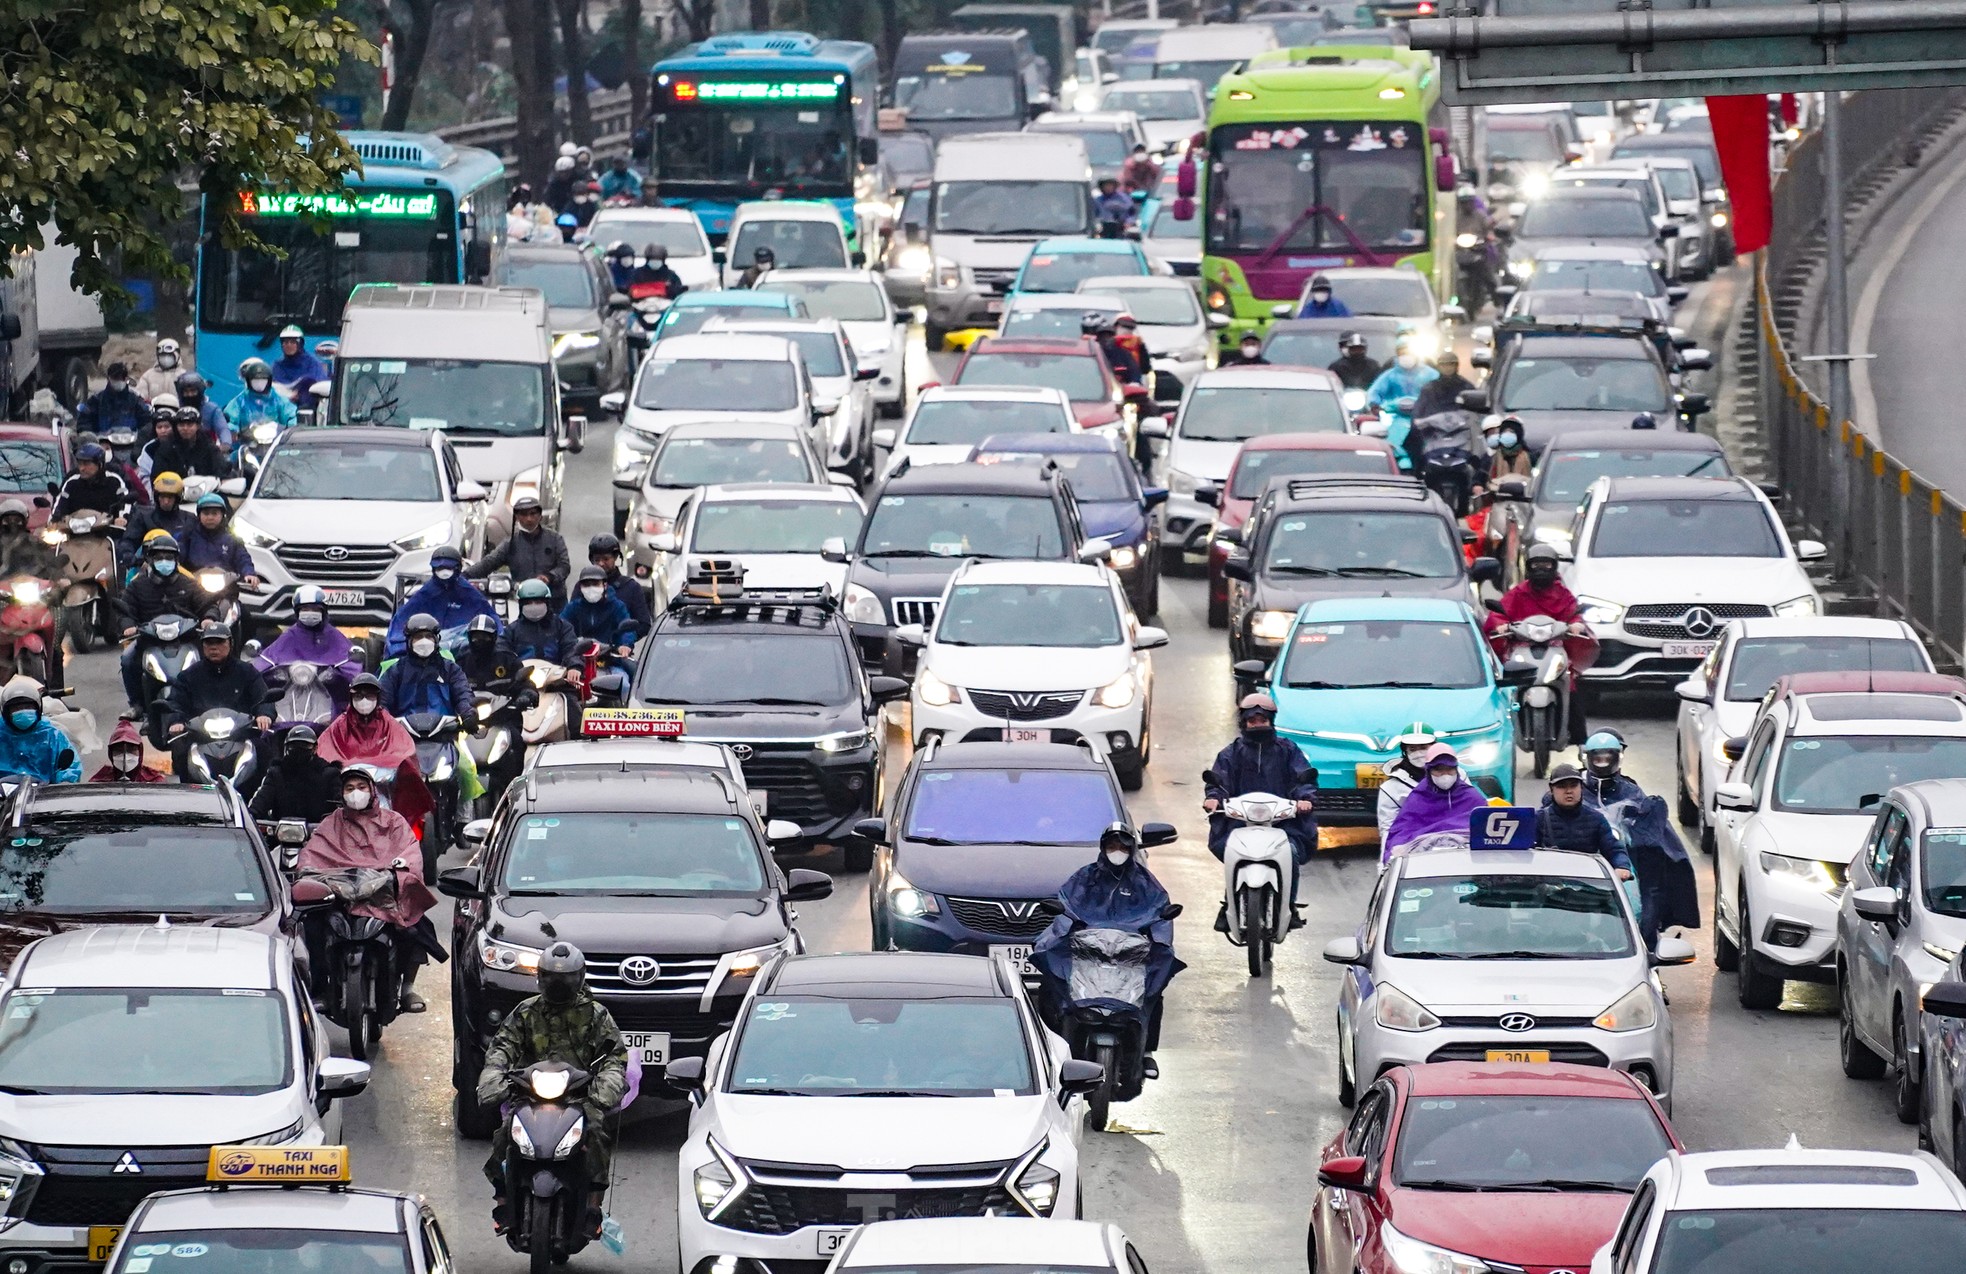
pixel 631 723
pixel 281 1165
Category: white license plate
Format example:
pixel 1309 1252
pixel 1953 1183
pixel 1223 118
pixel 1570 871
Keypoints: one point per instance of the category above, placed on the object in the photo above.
pixel 830 1240
pixel 1019 953
pixel 1687 649
pixel 350 597
pixel 1012 735
pixel 651 1048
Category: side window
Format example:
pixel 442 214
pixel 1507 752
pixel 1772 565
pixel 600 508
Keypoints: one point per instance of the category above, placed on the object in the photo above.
pixel 1372 912
pixel 1134 1264
pixel 1631 1232
pixel 1359 1131
pixel 1709 669
pixel 1374 1144
pixel 436 1256
pixel 1897 849
pixel 1754 764
pixel 1876 852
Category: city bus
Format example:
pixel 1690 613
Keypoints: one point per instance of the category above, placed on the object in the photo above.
pixel 420 211
pixel 766 115
pixel 1319 157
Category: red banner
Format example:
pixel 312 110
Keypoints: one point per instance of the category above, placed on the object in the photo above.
pixel 1740 134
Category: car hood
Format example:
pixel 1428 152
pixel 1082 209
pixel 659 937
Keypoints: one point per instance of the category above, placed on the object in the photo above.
pixel 1524 248
pixel 22 927
pixel 1116 520
pixel 1210 460
pixel 1632 580
pixel 1539 427
pixel 491 461
pixel 991 871
pixel 568 318
pixel 1829 838
pixel 136 1120
pixel 1095 412
pixel 1027 667
pixel 904 576
pixel 1554 988
pixel 1380 713
pixel 1731 719
pixel 760 723
pixel 653 925
pixel 1163 133
pixel 879 1133
pixel 1514 1229
pixel 1164 339
pixel 342 521
pixel 695 272
pixel 869 337
pixel 987 251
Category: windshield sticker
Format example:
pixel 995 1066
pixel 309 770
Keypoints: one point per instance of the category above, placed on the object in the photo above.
pixel 246 991
pixel 152 1249
pixel 773 1012
pixel 1294 526
pixel 1466 887
pixel 428 422
pixel 391 368
pixel 1695 1223
pixel 535 833
pixel 241 896
pixel 189 1250
pixel 945 548
pixel 1409 904
pixel 1805 745
pixel 136 1265
pixel 733 824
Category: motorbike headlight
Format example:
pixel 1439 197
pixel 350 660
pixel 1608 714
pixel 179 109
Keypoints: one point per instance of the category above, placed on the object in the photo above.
pixel 1037 1186
pixel 1595 610
pixel 264 432
pixel 501 744
pixel 1395 1010
pixel 1476 755
pixel 1635 1010
pixel 429 537
pixel 154 665
pixel 508 957
pixel 1560 536
pixel 1535 185
pixel 716 1183
pixel 219 729
pixel 914 259
pixel 549 1085
pixel 51 536
pixel 572 342
pixel 571 1137
pixel 251 536
pixel 1797 608
pixel 1718 219
pixel 523 1140
pixel 907 901
pixel 862 607
pixel 1411 1256
pixel 1426 343
pixel 1117 693
pixel 845 741
pixel 1270 625
pixel 27 592
pixel 1817 875
pixel 1465 240
pixel 1354 400
pixel 935 692
pixel 212 581
pixel 1522 269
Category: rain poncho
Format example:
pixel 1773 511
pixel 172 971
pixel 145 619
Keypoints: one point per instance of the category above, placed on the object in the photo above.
pixel 1666 880
pixel 453 603
pixel 1104 905
pixel 374 837
pixel 1429 810
pixel 126 732
pixel 1274 765
pixel 380 741
pixel 326 647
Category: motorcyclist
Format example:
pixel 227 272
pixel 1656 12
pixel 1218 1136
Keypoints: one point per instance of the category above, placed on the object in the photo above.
pixel 762 263
pixel 446 595
pixel 296 369
pixel 563 1023
pixel 1140 172
pixel 1444 392
pixel 1354 368
pixel 1404 379
pixel 558 194
pixel 596 613
pixel 1126 336
pixel 165 512
pixel 539 632
pixel 93 486
pixel 621 264
pixel 620 181
pixel 423 678
pixel 655 269
pixel 190 451
pixel 1406 771
pixel 1110 207
pixel 258 400
pixel 1508 453
pixel 1256 760
pixel 1565 821
pixel 299 784
pixel 1320 303
pixel 1105 330
pixel 125 763
pixel 209 544
pixel 21 551
pixel 1668 893
pixel 1248 353
pixel 1442 804
pixel 313 640
pixel 30 744
pixel 115 406
pixel 604 551
pixel 191 392
pixel 488 660
pixel 216 679
pixel 163 429
pixel 162 376
pixel 1540 592
pixel 532 551
pixel 158 587
pixel 367 734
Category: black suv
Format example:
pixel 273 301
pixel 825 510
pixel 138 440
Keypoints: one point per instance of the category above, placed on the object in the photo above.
pixel 925 522
pixel 1309 538
pixel 1559 377
pixel 664 881
pixel 774 676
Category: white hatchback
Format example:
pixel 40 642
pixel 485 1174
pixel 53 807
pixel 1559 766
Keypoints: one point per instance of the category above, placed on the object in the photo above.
pixel 859 300
pixel 949 421
pixel 789 536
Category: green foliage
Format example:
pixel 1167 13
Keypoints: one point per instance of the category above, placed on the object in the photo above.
pixel 109 104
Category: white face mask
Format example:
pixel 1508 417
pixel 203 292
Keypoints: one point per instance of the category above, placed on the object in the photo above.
pixel 1442 779
pixel 357 798
pixel 534 610
pixel 260 384
pixel 1117 857
pixel 1416 757
pixel 1407 362
pixel 1509 438
pixel 312 619
pixel 1320 296
pixel 444 573
pixel 592 592
pixel 367 707
pixel 424 647
pixel 124 761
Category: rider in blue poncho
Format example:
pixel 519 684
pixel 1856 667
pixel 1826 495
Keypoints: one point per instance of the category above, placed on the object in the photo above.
pixel 31 744
pixel 447 595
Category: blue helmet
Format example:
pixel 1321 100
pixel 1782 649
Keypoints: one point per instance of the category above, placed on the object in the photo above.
pixel 212 500
pixel 1604 741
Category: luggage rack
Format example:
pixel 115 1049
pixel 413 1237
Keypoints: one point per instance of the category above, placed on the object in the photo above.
pixel 713 589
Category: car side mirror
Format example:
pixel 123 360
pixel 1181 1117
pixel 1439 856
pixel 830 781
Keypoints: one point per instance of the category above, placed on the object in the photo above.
pixel 1218 320
pixel 1237 566
pixel 1811 550
pixel 469 492
pixel 1209 494
pixel 1878 903
pixel 234 487
pixel 1668 232
pixel 911 635
pixel 1695 359
pixel 341 1077
pixel 887 689
pixel 802 884
pixel 884 438
pixel 476 831
pixel 1478 357
pixel 1732 748
pixel 1153 834
pixel 1676 293
pixel 1693 690
pixel 780 830
pixel 1673 951
pixel 1153 497
pixel 1512 490
pixel 686 1073
pixel 460 882
pixel 1695 404
pixel 1095 550
pixel 1453 313
pixel 1149 638
pixel 1733 796
pixel 1485 570
pixel 1342 951
pixel 9 327
pixel 1344 1173
pixel 614 403
pixel 832 549
pixel 1154 427
pixel 1474 399
pixel 663 543
pixel 1945 999
pixel 1282 310
pixel 1250 669
pixel 872 829
pixel 1078 1076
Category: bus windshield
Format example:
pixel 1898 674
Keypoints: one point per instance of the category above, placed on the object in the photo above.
pixel 246 290
pixel 804 150
pixel 1321 187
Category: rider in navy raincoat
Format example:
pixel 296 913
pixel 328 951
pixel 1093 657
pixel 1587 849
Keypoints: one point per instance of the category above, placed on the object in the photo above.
pixel 1668 891
pixel 447 595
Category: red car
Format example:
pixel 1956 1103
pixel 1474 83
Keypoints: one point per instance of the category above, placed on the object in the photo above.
pixel 1270 456
pixel 1077 367
pixel 32 456
pixel 1466 1167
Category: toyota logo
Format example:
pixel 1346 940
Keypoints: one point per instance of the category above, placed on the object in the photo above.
pixel 742 751
pixel 1698 621
pixel 1517 1022
pixel 640 970
pixel 335 554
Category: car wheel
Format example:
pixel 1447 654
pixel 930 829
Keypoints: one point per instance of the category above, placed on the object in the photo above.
pixel 1905 1094
pixel 1347 1089
pixel 933 337
pixel 1726 956
pixel 1757 988
pixel 1859 1062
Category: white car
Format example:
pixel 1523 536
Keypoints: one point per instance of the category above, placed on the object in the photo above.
pixel 802 235
pixel 678 230
pixel 716 377
pixel 859 300
pixel 1171 110
pixel 948 422
pixel 1059 315
pixel 1719 701
pixel 861 1086
pixel 1790 1209
pixel 1823 751
pixel 1180 338
pixel 1659 564
pixel 841 389
pixel 1041 652
pixel 787 535
pixel 1521 956
pixel 701 455
pixel 997 1243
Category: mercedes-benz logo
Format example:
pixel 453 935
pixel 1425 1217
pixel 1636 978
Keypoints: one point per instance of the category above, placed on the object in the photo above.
pixel 640 970
pixel 1516 1022
pixel 335 554
pixel 1698 621
pixel 742 751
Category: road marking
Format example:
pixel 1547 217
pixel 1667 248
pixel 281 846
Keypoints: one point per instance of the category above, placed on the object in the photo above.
pixel 1863 403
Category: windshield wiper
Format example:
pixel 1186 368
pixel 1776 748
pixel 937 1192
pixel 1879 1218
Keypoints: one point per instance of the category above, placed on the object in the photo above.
pixel 1437 1184
pixel 1563 1183
pixel 770 1092
pixel 779 703
pixel 1430 955
pixel 1394 685
pixel 910 553
pixel 1300 570
pixel 1519 955
pixel 898 1092
pixel 1397 571
pixel 1316 685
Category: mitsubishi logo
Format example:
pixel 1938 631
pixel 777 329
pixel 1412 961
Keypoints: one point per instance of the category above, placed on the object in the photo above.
pixel 1698 621
pixel 640 970
pixel 127 1164
pixel 335 554
pixel 1516 1022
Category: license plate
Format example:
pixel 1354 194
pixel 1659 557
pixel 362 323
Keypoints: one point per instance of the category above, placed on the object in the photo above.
pixel 995 307
pixel 1026 736
pixel 1536 1055
pixel 354 598
pixel 102 1238
pixel 1687 649
pixel 1370 774
pixel 1019 954
pixel 830 1240
pixel 651 1048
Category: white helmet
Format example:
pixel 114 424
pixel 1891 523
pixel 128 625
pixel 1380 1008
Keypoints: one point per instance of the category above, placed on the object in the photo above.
pixel 167 346
pixel 564 164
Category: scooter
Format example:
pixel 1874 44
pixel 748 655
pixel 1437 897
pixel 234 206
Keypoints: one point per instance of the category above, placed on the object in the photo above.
pixel 221 590
pixel 87 544
pixel 224 749
pixel 436 758
pixel 499 751
pixel 546 1164
pixel 28 642
pixel 1447 457
pixel 648 310
pixel 1105 999
pixel 172 645
pixel 1257 866
pixel 249 450
pixel 306 694
pixel 562 691
pixel 289 834
pixel 358 980
pixel 1392 422
pixel 1537 642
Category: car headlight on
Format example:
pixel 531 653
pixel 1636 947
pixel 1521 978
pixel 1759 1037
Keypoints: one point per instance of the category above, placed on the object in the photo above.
pixel 914 259
pixel 574 342
pixel 251 536
pixel 1559 536
pixel 1395 1010
pixel 1036 1186
pixel 1476 755
pixel 904 900
pixel 1718 219
pixel 1817 875
pixel 1635 1010
pixel 508 957
pixel 264 432
pixel 935 692
pixel 948 274
pixel 571 1138
pixel 1796 608
pixel 1122 557
pixel 1465 240
pixel 1270 625
pixel 717 1183
pixel 1179 483
pixel 1535 185
pixel 862 607
pixel 429 537
pixel 744 964
pixel 1523 268
pixel 1411 1256
pixel 846 741
pixel 1596 611
pixel 1117 693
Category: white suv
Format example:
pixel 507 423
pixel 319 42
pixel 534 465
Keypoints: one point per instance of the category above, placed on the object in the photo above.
pixel 949 421
pixel 1660 564
pixel 1824 750
pixel 1045 652
pixel 788 535
pixel 840 387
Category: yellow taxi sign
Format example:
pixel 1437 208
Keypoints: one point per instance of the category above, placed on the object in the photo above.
pixel 321 1165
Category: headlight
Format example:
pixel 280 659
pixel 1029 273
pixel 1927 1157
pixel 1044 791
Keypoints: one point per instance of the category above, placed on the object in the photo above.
pixel 1122 557
pixel 744 964
pixel 716 1183
pixel 914 259
pixel 508 957
pixel 846 741
pixel 1425 342
pixel 1411 1256
pixel 525 482
pixel 1117 693
pixel 278 1137
pixel 1941 954
pixel 631 449
pixel 1817 875
pixel 1718 219
pixel 1270 625
pixel 1634 1011
pixel 571 1137
pixel 1595 610
pixel 1796 608
pixel 212 581
pixel 251 536
pixel 1465 240
pixel 1522 269
pixel 862 607
pixel 907 901
pixel 1179 483
pixel 947 273
pixel 1037 1187
pixel 935 692
pixel 1476 755
pixel 1354 400
pixel 1395 1010
pixel 1560 536
pixel 220 729
pixel 264 432
pixel 571 342
pixel 27 592
pixel 657 524
pixel 429 537
pixel 1535 185
pixel 52 536
pixel 549 1085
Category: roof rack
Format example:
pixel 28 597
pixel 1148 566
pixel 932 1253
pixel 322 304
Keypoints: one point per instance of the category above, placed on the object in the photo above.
pixel 713 588
pixel 1307 486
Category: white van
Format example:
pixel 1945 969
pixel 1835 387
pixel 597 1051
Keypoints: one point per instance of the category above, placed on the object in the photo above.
pixel 1207 53
pixel 802 235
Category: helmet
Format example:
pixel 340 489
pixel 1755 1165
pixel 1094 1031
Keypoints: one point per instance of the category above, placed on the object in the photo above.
pixel 365 681
pixel 189 383
pixel 534 590
pixel 620 248
pixel 603 543
pixel 159 543
pixel 93 453
pixel 1352 340
pixel 527 504
pixel 165 404
pixel 482 624
pixel 253 367
pixel 166 346
pixel 592 575
pixel 1259 701
pixel 1126 320
pixel 13 508
pixel 567 150
pixel 188 415
pixel 421 623
pixel 1415 734
pixel 307 595
pixel 763 255
pixel 302 735
pixel 213 630
pixel 292 332
pixel 1117 830
pixel 20 690
pixel 562 973
pixel 445 553
pixel 1542 553
pixel 655 252
pixel 564 164
pixel 211 500
pixel 1645 420
pixel 1605 741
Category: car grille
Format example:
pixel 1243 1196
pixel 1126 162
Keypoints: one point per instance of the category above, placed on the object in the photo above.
pixel 915 610
pixel 335 563
pixel 1494 1023
pixel 785 1197
pixel 790 782
pixel 679 977
pixel 996 917
pixel 82 1188
pixel 1356 801
pixel 1576 1054
pixel 678 1017
pixel 1663 621
pixel 997 281
pixel 1008 705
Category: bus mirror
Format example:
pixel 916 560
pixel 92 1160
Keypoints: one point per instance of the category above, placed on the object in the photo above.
pixel 477 260
pixel 870 151
pixel 1186 182
pixel 1184 209
pixel 1443 171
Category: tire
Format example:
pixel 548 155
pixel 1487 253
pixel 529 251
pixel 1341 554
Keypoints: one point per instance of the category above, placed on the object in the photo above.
pixel 933 337
pixel 539 1234
pixel 1310 1241
pixel 1100 1104
pixel 1686 808
pixel 1757 989
pixel 76 627
pixel 1906 1093
pixel 1256 929
pixel 355 1011
pixel 1859 1062
pixel 1540 758
pixel 858 854
pixel 474 1122
pixel 72 382
pixel 1347 1086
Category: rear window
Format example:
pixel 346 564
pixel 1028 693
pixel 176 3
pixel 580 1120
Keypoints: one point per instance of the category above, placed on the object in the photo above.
pixel 1759 660
pixel 134 866
pixel 1257 467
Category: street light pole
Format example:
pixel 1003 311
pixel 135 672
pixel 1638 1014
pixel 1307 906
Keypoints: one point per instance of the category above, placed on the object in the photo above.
pixel 1836 294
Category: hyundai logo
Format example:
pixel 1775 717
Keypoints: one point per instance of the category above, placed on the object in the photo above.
pixel 335 554
pixel 1698 621
pixel 1516 1022
pixel 640 970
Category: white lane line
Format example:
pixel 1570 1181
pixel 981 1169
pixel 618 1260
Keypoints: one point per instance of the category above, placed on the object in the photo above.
pixel 1863 403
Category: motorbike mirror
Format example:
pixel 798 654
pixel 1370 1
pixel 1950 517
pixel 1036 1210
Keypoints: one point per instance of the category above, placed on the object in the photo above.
pixel 613 404
pixel 252 648
pixel 54 488
pixel 804 885
pixel 1211 495
pixel 1515 488
pixel 1152 834
pixel 1078 1076
pixel 1154 427
pixel 311 891
pixel 1230 535
pixel 1250 669
pixel 1344 1173
pixel 1485 570
pixel 1051 906
pixel 686 1073
pixel 1454 313
pixel 872 829
pixel 43 502
pixel 1170 911
pixel 1342 951
pixel 461 882
pixel 341 1077
pixel 1473 399
pixel 233 487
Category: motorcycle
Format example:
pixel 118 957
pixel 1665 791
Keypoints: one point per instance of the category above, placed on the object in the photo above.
pixel 289 834
pixel 1445 441
pixel 648 308
pixel 1476 265
pixel 435 734
pixel 171 647
pixel 1538 653
pixel 29 645
pixel 499 751
pixel 499 589
pixel 221 590
pixel 1257 866
pixel 224 749
pixel 306 694
pixel 250 448
pixel 546 1164
pixel 358 981
pixel 87 543
pixel 1106 998
pixel 1392 422
pixel 562 691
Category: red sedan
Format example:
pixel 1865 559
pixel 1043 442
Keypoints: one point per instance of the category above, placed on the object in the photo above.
pixel 1271 456
pixel 1466 1167
pixel 1074 365
pixel 31 457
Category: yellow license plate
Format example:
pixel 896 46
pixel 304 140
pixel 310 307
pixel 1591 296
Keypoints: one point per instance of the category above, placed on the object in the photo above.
pixel 1371 774
pixel 102 1238
pixel 1518 1055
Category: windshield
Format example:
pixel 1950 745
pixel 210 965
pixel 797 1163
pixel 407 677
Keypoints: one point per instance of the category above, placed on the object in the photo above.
pixel 1508 918
pixel 1560 275
pixel 848 300
pixel 1391 297
pixel 1318 347
pixel 792 1045
pixel 1385 653
pixel 1531 145
pixel 1061 271
pixel 1104 148
pixel 788 669
pixel 1943 870
pixel 566 281
pixel 1759 660
pixel 1256 467
pixel 1680 183
pixel 802 150
pixel 1363 188
pixel 821 351
pixel 952 97
pixel 954 422
pixel 680 238
pixel 131 865
pixel 1705 161
pixel 685 320
pixel 1641 186
pixel 283 1251
pixel 457 395
pixel 1075 615
pixel 1557 218
pixel 643 853
pixel 1012 207
pixel 794 244
pixel 1810 1240
pixel 1224 413
pixel 1364 546
pixel 1825 774
pixel 907 155
pixel 996 807
pixel 1539 1142
pixel 1051 321
pixel 1586 384
pixel 334 469
pixel 245 290
pixel 963 526
pixel 1207 72
pixel 29 466
pixel 702 462
pixel 1079 376
pixel 1152 103
pixel 717 384
pixel 774 526
pixel 1158 307
pixel 1566 475
pixel 144 1040
pixel 1685 528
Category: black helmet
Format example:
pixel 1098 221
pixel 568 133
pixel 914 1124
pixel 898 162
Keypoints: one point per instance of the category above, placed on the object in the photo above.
pixel 603 543
pixel 591 575
pixel 1118 833
pixel 764 256
pixel 189 383
pixel 655 254
pixel 301 737
pixel 562 973
pixel 1352 340
pixel 421 623
pixel 446 553
pixel 160 546
pixel 365 681
pixel 527 504
pixel 481 624
pixel 1538 553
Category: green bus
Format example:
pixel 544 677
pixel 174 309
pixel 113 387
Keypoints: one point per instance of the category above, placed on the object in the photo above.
pixel 1329 155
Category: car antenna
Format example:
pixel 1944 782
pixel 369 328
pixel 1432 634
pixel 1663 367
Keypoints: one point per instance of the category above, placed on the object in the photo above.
pixel 163 921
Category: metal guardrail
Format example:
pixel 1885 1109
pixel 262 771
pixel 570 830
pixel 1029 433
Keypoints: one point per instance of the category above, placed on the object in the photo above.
pixel 609 108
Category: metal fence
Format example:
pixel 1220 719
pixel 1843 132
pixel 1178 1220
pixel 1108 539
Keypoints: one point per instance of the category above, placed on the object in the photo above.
pixel 609 107
pixel 1891 534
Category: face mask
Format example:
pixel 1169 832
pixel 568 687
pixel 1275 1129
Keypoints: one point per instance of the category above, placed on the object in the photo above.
pixel 1442 779
pixel 445 573
pixel 124 761
pixel 534 610
pixel 1249 349
pixel 312 619
pixel 1117 857
pixel 260 384
pixel 591 593
pixel 118 386
pixel 1320 296
pixel 167 361
pixel 357 798
pixel 1509 438
pixel 424 647
pixel 1259 731
pixel 367 707
pixel 1416 756
pixel 1542 576
pixel 166 567
pixel 23 719
pixel 1407 362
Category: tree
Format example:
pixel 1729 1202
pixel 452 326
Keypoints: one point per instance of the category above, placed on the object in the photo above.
pixel 699 16
pixel 532 87
pixel 573 49
pixel 108 104
pixel 412 22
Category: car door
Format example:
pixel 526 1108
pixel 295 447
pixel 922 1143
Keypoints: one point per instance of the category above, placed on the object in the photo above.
pixel 1869 943
pixel 668 576
pixel 613 371
pixel 1730 826
pixel 1696 719
pixel 1343 1213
